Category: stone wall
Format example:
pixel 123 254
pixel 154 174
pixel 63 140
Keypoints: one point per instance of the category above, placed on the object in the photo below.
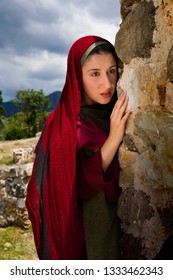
pixel 13 184
pixel 144 43
pixel 14 179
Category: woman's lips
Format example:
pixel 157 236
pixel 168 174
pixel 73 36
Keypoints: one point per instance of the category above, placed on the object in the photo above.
pixel 106 94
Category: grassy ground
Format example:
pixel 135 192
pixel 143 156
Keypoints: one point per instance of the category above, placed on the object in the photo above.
pixel 17 244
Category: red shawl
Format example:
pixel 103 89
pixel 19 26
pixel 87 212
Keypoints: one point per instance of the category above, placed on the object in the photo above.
pixel 51 195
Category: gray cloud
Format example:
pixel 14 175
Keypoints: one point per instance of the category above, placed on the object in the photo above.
pixel 25 25
pixel 35 37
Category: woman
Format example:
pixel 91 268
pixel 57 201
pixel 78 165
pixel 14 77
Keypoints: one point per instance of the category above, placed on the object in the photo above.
pixel 76 167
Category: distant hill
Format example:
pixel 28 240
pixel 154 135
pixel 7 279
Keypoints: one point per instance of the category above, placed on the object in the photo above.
pixel 11 109
pixel 54 98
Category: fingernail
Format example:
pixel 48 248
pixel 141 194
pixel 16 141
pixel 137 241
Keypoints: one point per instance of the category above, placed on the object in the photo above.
pixel 122 93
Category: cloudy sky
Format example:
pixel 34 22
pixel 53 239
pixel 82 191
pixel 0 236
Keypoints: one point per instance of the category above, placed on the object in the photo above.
pixel 35 37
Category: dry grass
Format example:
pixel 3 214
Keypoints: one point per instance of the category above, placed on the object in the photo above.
pixel 6 147
pixel 17 244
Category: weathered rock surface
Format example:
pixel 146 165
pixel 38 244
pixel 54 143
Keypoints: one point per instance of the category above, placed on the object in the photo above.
pixel 145 45
pixel 135 37
pixel 13 181
pixel 13 184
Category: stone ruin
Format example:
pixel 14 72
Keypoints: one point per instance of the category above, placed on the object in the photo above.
pixel 144 44
pixel 13 185
pixel 23 155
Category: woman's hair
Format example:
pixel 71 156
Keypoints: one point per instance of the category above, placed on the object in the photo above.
pixel 104 48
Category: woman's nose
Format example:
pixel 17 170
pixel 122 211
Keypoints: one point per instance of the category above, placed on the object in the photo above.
pixel 107 81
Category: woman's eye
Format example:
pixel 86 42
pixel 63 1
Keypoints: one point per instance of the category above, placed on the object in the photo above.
pixel 112 71
pixel 94 74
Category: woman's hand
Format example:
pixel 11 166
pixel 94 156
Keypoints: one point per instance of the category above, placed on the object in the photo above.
pixel 118 120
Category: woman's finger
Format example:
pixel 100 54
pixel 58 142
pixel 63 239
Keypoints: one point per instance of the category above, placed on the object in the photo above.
pixel 126 116
pixel 119 103
pixel 121 107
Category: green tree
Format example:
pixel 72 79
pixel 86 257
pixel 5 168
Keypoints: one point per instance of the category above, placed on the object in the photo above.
pixel 32 103
pixel 16 127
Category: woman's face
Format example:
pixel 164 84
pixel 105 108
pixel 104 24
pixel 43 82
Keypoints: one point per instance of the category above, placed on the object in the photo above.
pixel 99 74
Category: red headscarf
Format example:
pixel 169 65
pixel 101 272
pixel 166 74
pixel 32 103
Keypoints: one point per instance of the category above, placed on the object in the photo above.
pixel 51 196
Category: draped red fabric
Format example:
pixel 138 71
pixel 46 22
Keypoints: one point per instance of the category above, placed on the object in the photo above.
pixel 51 195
